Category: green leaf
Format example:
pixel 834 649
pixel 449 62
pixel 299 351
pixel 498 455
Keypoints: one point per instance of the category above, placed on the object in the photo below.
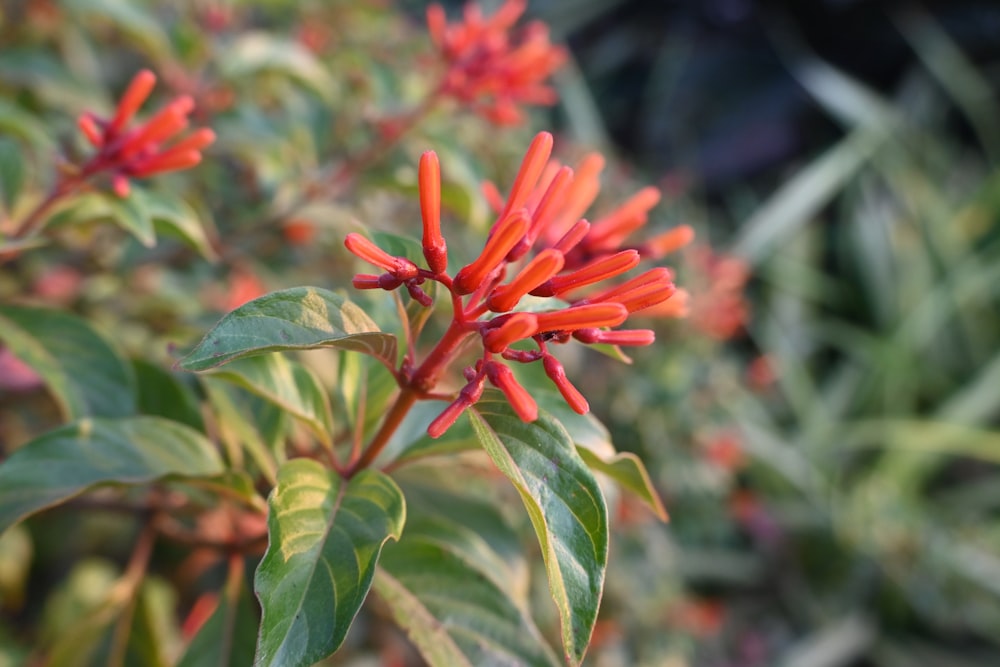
pixel 164 394
pixel 129 17
pixel 300 318
pixel 153 631
pixel 12 172
pixel 325 536
pixel 258 52
pixel 78 616
pixel 239 428
pixel 365 390
pixel 83 370
pixel 445 587
pixel 564 503
pixel 17 122
pixel 474 505
pixel 628 470
pixel 16 552
pixel 44 74
pixel 593 443
pixel 129 213
pixel 173 217
pixel 67 461
pixel 287 384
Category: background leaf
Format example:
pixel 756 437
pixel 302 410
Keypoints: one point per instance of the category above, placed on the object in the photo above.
pixel 628 470
pixel 83 370
pixel 173 217
pixel 286 383
pixel 258 52
pixel 165 394
pixel 565 505
pixel 325 535
pixel 227 637
pixel 299 318
pixel 12 172
pixel 67 461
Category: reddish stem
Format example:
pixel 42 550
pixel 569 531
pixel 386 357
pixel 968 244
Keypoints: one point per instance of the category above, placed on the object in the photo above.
pixel 417 386
pixel 37 215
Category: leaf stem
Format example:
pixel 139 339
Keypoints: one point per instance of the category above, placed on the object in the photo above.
pixel 36 217
pixel 128 587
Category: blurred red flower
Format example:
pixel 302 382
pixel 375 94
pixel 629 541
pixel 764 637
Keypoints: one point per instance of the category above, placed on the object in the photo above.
pixel 491 66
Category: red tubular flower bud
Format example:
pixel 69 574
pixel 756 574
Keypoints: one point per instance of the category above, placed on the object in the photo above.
pixel 570 394
pixel 389 282
pixel 507 15
pixel 183 154
pixel 590 316
pixel 613 228
pixel 542 185
pixel 88 126
pixel 667 242
pixel 534 162
pixel 167 122
pixel 551 200
pixel 544 212
pixel 595 271
pixel 195 141
pixel 541 268
pixel 120 184
pixel 517 327
pixel 365 281
pixel 521 356
pixel 492 195
pixel 581 194
pixel 400 267
pixel 572 236
pixel 502 378
pixel 418 295
pixel 169 161
pixel 471 393
pixel 368 251
pixel 658 275
pixel 138 90
pixel 646 296
pixel 506 234
pixel 437 24
pixel 629 337
pixel 429 178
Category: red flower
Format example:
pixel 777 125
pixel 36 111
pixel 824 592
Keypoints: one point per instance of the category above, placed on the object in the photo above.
pixel 550 251
pixel 719 307
pixel 490 66
pixel 141 151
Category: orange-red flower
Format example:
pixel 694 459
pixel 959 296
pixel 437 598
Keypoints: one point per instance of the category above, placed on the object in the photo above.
pixel 540 239
pixel 491 66
pixel 719 308
pixel 144 150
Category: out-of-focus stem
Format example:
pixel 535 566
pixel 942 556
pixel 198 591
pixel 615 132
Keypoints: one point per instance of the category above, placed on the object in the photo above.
pixel 36 217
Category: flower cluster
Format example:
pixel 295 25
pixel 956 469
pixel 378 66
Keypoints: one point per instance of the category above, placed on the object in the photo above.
pixel 140 151
pixel 541 242
pixel 491 67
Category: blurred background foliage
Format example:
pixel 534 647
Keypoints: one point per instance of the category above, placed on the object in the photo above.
pixel 824 427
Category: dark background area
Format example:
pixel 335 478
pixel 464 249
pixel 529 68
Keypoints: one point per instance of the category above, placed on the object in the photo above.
pixel 705 86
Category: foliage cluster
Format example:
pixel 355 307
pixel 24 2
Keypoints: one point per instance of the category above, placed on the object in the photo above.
pixel 831 477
